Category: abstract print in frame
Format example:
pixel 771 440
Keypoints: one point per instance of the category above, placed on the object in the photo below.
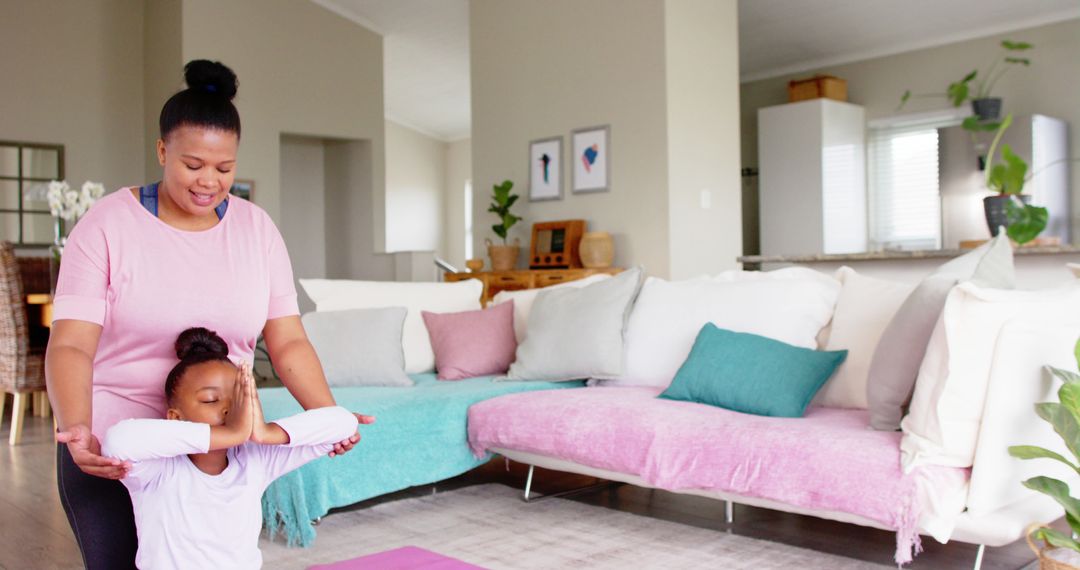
pixel 591 159
pixel 545 169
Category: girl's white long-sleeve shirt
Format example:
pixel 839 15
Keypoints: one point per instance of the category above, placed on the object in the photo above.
pixel 190 519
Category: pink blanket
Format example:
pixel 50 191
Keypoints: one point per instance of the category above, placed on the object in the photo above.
pixel 828 460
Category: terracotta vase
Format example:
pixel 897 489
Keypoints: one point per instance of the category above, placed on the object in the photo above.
pixel 503 257
pixel 597 250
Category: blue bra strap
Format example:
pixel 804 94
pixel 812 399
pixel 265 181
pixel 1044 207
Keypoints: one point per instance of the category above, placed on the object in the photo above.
pixel 148 196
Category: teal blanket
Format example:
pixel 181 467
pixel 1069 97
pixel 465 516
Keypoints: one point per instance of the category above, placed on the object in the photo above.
pixel 419 437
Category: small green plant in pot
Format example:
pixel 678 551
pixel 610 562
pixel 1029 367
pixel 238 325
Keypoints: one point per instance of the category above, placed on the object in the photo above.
pixel 1064 415
pixel 1010 207
pixel 978 87
pixel 503 257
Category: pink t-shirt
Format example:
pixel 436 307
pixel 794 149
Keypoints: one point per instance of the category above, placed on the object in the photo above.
pixel 145 281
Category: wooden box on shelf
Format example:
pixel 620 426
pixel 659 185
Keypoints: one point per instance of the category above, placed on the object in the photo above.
pixel 517 280
pixel 817 87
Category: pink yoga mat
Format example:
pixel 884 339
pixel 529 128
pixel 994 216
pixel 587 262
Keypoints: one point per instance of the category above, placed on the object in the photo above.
pixel 404 558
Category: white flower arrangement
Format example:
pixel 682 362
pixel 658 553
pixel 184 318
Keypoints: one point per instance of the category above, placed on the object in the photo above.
pixel 69 204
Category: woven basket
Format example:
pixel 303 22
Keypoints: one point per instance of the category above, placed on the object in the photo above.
pixel 1045 562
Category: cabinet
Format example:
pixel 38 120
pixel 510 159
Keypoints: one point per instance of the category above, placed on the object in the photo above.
pixel 516 280
pixel 812 164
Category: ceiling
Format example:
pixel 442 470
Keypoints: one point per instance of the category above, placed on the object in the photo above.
pixel 426 42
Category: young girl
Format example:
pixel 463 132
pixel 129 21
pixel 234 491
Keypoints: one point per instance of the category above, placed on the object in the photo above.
pixel 196 479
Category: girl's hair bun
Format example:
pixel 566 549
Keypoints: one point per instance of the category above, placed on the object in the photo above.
pixel 203 75
pixel 200 342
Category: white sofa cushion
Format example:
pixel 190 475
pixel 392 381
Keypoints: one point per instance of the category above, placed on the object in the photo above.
pixel 359 347
pixel 863 310
pixel 341 294
pixel 1018 380
pixel 578 333
pixel 790 305
pixel 942 426
pixel 524 299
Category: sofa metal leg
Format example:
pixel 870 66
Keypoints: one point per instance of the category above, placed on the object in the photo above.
pixel 979 557
pixel 528 483
pixel 530 499
pixel 729 512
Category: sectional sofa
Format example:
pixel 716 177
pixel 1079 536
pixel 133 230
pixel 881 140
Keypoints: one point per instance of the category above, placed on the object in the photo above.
pixel 946 474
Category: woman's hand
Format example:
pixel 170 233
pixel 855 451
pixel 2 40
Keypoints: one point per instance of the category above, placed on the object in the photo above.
pixel 85 450
pixel 345 445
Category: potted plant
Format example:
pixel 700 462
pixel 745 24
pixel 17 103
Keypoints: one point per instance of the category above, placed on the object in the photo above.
pixel 503 257
pixel 977 88
pixel 1011 208
pixel 1064 415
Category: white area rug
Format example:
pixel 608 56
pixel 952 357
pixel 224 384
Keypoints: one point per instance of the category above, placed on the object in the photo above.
pixel 489 525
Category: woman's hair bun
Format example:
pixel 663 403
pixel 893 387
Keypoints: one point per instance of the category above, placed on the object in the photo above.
pixel 211 77
pixel 199 341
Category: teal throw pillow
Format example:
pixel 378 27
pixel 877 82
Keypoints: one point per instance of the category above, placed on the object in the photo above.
pixel 752 374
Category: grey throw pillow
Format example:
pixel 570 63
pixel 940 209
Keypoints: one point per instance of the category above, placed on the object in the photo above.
pixel 899 354
pixel 578 333
pixel 359 347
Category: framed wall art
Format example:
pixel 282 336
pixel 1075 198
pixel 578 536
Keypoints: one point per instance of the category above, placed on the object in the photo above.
pixel 545 169
pixel 591 159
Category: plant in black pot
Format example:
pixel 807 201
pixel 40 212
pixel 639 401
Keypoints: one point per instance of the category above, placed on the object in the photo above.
pixel 978 87
pixel 1011 208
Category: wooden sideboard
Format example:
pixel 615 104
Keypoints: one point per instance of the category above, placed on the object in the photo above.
pixel 516 280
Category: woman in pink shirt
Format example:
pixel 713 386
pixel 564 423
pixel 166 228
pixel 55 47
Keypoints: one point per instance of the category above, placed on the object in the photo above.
pixel 145 264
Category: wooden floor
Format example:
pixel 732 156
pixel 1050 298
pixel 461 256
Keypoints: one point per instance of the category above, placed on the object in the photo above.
pixel 34 533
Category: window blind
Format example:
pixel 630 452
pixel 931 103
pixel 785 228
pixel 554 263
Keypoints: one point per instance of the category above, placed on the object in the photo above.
pixel 905 196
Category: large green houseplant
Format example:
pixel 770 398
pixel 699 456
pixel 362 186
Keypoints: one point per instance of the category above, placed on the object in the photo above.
pixel 1064 415
pixel 503 257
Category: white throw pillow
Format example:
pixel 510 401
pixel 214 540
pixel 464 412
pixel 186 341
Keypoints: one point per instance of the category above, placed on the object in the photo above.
pixel 669 315
pixel 341 294
pixel 359 347
pixel 863 310
pixel 578 333
pixel 1018 380
pixel 942 425
pixel 523 301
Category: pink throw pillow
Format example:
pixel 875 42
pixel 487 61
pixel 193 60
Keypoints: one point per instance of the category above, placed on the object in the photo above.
pixel 472 343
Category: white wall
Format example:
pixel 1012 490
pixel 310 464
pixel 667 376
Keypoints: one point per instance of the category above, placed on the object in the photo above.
pixel 1048 87
pixel 162 71
pixel 72 74
pixel 542 69
pixel 458 174
pixel 303 205
pixel 303 70
pixel 704 193
pixel 662 73
pixel 415 181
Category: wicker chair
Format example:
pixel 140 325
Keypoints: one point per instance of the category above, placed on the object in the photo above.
pixel 22 371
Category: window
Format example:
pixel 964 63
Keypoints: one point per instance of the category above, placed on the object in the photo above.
pixel 25 169
pixel 468 220
pixel 905 196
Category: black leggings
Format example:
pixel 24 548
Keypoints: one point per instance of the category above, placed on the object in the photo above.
pixel 100 514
